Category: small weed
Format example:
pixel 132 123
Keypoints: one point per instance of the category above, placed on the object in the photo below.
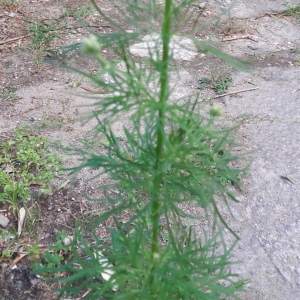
pixel 204 83
pixel 25 160
pixel 220 86
pixel 42 36
pixel 33 214
pixel 48 123
pixel 73 82
pixel 292 11
pixel 11 3
pixel 6 245
pixel 55 256
pixel 9 94
pixel 78 12
pixel 34 252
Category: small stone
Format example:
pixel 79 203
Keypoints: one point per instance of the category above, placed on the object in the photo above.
pixel 252 48
pixel 55 79
pixel 67 240
pixel 203 4
pixel 3 221
pixel 4 265
pixel 58 209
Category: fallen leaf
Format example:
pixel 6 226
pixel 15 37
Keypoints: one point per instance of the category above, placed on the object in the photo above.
pixel 63 184
pixel 21 220
pixel 288 179
pixel 107 273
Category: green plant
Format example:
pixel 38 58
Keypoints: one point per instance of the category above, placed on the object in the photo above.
pixel 33 252
pixel 78 12
pixel 220 86
pixel 73 82
pixel 11 3
pixel 293 11
pixel 33 215
pixel 25 160
pixel 7 245
pixel 48 123
pixel 41 38
pixel 168 158
pixel 52 258
pixel 9 94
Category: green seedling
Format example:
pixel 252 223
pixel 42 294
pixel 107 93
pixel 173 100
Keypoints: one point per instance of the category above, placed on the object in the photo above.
pixel 52 258
pixel 25 160
pixel 7 244
pixel 41 38
pixel 34 252
pixel 293 11
pixel 220 86
pixel 204 83
pixel 78 12
pixel 11 3
pixel 9 94
pixel 74 83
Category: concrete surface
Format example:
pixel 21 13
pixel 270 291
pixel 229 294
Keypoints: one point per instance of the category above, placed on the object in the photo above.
pixel 250 8
pixel 269 215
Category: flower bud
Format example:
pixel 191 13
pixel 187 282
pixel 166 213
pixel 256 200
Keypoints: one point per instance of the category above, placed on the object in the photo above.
pixel 91 45
pixel 215 111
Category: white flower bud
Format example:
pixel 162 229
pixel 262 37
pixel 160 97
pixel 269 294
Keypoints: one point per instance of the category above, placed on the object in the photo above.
pixel 91 45
pixel 215 111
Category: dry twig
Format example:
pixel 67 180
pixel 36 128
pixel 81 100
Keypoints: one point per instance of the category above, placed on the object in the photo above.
pixel 14 39
pixel 239 38
pixel 236 92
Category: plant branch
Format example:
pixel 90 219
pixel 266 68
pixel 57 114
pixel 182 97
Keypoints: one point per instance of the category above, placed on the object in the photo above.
pixel 164 94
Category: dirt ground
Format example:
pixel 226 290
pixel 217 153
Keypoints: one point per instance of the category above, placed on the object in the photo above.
pixel 51 100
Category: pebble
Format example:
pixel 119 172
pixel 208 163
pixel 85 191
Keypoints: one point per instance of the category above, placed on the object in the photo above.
pixel 4 265
pixel 203 4
pixel 3 221
pixel 67 240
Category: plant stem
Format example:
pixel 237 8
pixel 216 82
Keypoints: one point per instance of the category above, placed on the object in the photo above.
pixel 163 98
